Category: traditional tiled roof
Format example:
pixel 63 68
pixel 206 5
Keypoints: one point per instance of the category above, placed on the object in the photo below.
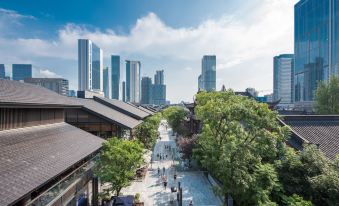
pixel 108 113
pixel 14 93
pixel 122 107
pixel 315 129
pixel 147 110
pixel 30 157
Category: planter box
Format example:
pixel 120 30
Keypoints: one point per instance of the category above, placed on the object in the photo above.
pixel 139 204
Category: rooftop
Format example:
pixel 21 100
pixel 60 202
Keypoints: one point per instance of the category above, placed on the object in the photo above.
pixel 321 130
pixel 30 157
pixel 14 93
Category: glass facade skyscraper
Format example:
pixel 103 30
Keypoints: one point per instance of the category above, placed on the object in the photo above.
pixel 207 79
pixel 316 46
pixel 2 71
pixel 159 88
pixel 283 75
pixel 133 71
pixel 107 82
pixel 146 90
pixel 90 66
pixel 21 71
pixel 115 64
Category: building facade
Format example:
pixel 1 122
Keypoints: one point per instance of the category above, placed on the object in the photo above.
pixel 58 85
pixel 159 88
pixel 90 66
pixel 115 64
pixel 107 82
pixel 207 80
pixel 123 90
pixel 133 69
pixel 21 71
pixel 146 90
pixel 2 71
pixel 283 76
pixel 316 47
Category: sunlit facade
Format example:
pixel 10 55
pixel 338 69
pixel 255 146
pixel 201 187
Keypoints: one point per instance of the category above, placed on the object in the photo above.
pixel 133 81
pixel 316 46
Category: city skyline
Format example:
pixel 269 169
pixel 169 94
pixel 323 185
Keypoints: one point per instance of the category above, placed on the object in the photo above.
pixel 171 52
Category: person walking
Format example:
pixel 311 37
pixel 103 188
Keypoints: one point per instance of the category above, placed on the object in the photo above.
pixel 158 171
pixel 191 203
pixel 163 170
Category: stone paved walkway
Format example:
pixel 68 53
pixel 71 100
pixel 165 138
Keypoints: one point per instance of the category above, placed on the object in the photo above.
pixel 195 185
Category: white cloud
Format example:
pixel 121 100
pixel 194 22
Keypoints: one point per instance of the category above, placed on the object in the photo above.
pixel 244 46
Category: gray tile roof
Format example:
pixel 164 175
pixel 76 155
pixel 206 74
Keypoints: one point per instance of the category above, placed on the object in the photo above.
pixel 29 157
pixel 108 113
pixel 18 93
pixel 123 107
pixel 319 130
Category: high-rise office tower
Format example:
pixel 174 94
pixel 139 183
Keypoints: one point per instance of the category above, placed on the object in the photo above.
pixel 21 71
pixel 207 79
pixel 146 90
pixel 200 86
pixel 2 71
pixel 316 47
pixel 283 75
pixel 107 82
pixel 159 88
pixel 58 85
pixel 133 81
pixel 123 91
pixel 115 64
pixel 90 66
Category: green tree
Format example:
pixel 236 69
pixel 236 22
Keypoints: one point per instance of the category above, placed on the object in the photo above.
pixel 327 96
pixel 240 141
pixel 175 116
pixel 147 132
pixel 118 162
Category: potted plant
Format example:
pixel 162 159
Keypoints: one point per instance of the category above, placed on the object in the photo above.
pixel 137 201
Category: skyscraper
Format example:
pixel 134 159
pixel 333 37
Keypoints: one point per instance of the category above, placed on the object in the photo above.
pixel 107 82
pixel 146 90
pixel 159 88
pixel 133 81
pixel 115 64
pixel 21 71
pixel 283 75
pixel 90 66
pixel 207 79
pixel 316 46
pixel 123 91
pixel 2 71
pixel 57 85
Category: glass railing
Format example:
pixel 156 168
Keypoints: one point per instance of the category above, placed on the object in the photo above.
pixel 53 192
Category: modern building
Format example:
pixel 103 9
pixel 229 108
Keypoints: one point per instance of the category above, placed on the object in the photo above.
pixel 108 82
pixel 90 66
pixel 57 85
pixel 2 71
pixel 207 79
pixel 316 47
pixel 72 93
pixel 44 161
pixel 115 64
pixel 252 91
pixel 133 71
pixel 159 88
pixel 146 90
pixel 21 71
pixel 123 91
pixel 283 76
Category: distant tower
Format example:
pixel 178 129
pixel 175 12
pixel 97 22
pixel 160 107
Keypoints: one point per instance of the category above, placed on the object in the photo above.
pixel 115 64
pixel 146 90
pixel 133 81
pixel 107 82
pixel 207 79
pixel 90 66
pixel 21 71
pixel 2 71
pixel 124 91
pixel 159 88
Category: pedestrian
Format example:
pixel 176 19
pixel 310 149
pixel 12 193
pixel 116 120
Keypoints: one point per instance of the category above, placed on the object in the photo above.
pixel 166 156
pixel 165 184
pixel 191 203
pixel 158 171
pixel 163 170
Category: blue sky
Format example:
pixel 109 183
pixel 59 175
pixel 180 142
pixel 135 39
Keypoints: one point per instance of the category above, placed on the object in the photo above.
pixel 170 35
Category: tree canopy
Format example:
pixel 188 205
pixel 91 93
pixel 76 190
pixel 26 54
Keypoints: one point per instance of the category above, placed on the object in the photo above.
pixel 242 144
pixel 327 96
pixel 118 162
pixel 147 132
pixel 175 116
